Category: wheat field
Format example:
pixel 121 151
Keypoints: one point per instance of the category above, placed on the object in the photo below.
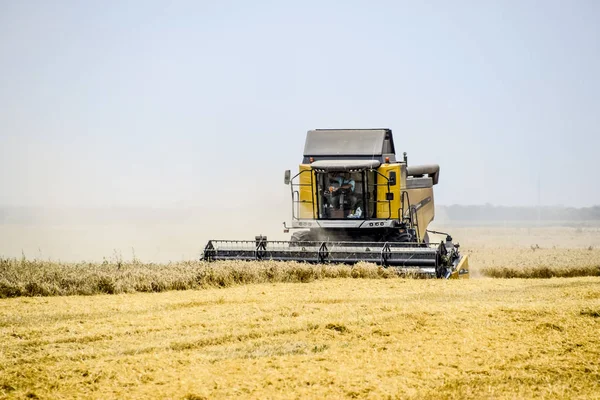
pixel 45 278
pixel 497 257
pixel 193 330
pixel 333 338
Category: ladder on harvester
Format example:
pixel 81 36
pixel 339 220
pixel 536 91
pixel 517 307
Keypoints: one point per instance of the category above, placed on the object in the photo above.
pixel 409 214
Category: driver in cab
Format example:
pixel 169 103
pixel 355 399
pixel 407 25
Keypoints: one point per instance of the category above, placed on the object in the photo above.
pixel 342 183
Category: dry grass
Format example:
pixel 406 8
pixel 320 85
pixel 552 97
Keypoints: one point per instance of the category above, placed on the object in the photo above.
pixel 535 262
pixel 336 338
pixel 530 252
pixel 494 252
pixel 43 278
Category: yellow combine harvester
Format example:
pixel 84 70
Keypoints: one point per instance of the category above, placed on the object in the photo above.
pixel 353 201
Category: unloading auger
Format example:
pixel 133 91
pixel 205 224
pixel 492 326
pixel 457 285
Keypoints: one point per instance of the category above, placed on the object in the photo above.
pixel 352 201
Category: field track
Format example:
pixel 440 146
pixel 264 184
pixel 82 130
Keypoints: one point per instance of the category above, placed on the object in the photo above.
pixel 336 338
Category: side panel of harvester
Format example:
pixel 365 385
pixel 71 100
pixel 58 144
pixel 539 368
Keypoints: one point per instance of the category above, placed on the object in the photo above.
pixel 421 200
pixel 386 207
pixel 306 193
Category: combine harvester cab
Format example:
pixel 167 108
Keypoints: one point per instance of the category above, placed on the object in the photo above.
pixel 352 201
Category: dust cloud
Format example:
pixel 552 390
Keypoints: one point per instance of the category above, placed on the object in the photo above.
pixel 226 208
pixel 149 234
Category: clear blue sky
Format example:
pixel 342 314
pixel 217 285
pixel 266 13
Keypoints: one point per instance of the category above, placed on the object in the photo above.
pixel 146 103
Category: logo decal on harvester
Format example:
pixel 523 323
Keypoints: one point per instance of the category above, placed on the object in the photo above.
pixel 420 204
pixel 423 203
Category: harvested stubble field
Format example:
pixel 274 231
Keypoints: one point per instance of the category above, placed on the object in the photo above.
pixel 290 330
pixel 334 338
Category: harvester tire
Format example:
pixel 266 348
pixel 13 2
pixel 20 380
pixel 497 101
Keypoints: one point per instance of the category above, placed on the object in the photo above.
pixel 300 236
pixel 398 237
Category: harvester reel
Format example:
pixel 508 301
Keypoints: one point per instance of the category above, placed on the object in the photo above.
pixel 385 253
pixel 323 253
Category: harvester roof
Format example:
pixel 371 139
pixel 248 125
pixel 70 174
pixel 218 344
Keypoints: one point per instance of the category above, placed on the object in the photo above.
pixel 373 144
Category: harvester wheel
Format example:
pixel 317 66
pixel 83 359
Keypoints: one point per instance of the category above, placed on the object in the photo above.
pixel 300 236
pixel 398 237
